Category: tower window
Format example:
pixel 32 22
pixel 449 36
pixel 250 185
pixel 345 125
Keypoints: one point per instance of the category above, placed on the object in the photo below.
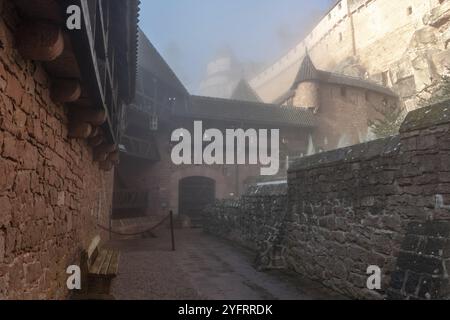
pixel 340 37
pixel 343 91
pixel 409 11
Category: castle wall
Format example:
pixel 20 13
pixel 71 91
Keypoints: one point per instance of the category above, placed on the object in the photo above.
pixel 307 95
pixel 254 220
pixel 344 115
pixel 369 205
pixel 382 203
pixel 401 38
pixel 161 179
pixel 52 194
pixel 342 112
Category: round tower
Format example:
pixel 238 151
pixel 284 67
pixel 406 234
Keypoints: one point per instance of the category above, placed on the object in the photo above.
pixel 222 75
pixel 306 86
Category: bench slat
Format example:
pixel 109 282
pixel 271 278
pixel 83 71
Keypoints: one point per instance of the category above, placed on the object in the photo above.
pixel 114 265
pixel 106 264
pixel 104 268
pixel 93 246
pixel 95 269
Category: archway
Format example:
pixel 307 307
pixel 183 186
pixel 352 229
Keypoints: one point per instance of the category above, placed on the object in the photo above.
pixel 195 193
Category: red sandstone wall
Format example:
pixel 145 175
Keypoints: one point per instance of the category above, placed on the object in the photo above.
pixel 347 115
pixel 51 192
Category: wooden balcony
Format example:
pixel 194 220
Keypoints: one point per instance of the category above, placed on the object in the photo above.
pixel 143 117
pixel 140 148
pixel 130 199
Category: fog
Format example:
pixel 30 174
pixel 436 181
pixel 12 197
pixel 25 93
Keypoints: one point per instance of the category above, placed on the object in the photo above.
pixel 191 33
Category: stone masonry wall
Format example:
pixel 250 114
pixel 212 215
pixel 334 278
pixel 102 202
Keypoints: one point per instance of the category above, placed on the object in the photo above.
pixel 384 203
pixel 51 192
pixel 252 221
pixel 339 223
pixel 380 203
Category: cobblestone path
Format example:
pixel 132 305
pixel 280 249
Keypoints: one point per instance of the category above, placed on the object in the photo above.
pixel 202 267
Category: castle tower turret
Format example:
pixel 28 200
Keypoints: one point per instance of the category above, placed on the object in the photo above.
pixel 306 85
pixel 223 73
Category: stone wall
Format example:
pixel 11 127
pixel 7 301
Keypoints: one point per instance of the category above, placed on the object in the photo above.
pixel 253 221
pixel 161 179
pixel 339 223
pixel 343 116
pixel 382 203
pixel 51 192
pixel 367 204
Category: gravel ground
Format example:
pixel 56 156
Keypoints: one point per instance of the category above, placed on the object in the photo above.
pixel 203 267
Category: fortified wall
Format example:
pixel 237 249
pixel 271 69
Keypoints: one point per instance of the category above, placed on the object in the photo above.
pixel 384 203
pixel 51 197
pixel 254 220
pixel 401 44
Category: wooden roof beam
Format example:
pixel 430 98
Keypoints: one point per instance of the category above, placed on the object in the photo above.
pixel 65 90
pixel 40 41
pixel 102 152
pixel 49 10
pixel 79 130
pixel 94 117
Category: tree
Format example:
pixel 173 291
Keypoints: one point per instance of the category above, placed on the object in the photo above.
pixel 439 92
pixel 389 122
pixel 392 117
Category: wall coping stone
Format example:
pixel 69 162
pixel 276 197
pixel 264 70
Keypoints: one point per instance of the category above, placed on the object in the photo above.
pixel 426 117
pixel 423 118
pixel 267 190
pixel 363 151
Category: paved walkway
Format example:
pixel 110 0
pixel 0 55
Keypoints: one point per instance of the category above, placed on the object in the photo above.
pixel 203 267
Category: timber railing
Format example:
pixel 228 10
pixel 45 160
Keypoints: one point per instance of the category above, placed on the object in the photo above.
pixel 140 148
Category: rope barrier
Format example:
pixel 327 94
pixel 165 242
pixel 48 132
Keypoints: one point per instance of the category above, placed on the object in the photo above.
pixel 136 233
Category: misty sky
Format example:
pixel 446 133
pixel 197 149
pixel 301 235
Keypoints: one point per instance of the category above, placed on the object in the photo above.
pixel 188 33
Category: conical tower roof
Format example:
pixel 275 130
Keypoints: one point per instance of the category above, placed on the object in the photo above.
pixel 307 72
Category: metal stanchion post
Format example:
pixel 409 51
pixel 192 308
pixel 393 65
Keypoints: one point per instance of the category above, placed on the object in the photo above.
pixel 110 225
pixel 171 230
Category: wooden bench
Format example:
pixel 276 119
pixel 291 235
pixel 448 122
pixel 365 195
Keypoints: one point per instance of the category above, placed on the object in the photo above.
pixel 99 267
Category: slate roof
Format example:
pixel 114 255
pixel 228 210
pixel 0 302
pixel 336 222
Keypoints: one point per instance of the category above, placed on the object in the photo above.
pixel 341 79
pixel 245 92
pixel 285 96
pixel 308 72
pixel 125 42
pixel 245 111
pixel 150 62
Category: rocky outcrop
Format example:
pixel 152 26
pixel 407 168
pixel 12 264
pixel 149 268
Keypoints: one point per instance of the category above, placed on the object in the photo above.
pixel 425 60
pixel 439 16
pixel 419 70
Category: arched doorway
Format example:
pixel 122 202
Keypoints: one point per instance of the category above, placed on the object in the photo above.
pixel 195 193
